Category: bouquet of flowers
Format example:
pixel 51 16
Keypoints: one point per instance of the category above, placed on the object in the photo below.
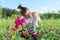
pixel 18 22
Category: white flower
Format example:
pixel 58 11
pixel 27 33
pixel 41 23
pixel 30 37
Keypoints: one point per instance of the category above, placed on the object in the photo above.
pixel 42 39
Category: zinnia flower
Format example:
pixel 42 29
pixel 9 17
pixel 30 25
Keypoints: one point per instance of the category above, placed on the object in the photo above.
pixel 58 32
pixel 18 22
pixel 22 21
pixel 25 33
pixel 49 30
pixel 37 35
pixel 15 29
pixel 18 17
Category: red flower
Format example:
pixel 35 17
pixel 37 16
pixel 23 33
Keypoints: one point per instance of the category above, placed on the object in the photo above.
pixel 25 33
pixel 18 17
pixel 49 30
pixel 37 35
pixel 15 29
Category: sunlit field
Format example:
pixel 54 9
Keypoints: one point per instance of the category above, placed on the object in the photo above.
pixel 48 30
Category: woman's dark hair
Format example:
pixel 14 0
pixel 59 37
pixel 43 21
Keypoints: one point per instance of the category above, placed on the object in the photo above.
pixel 22 9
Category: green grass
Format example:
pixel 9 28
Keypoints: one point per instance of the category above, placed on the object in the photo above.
pixel 53 25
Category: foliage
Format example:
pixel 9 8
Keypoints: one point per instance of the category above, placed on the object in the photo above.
pixel 48 30
pixel 6 12
pixel 50 15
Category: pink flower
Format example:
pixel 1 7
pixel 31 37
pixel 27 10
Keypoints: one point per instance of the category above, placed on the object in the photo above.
pixel 16 26
pixel 19 21
pixel 22 21
pixel 58 32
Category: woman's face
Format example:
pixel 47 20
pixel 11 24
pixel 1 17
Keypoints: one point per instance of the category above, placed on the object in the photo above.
pixel 27 14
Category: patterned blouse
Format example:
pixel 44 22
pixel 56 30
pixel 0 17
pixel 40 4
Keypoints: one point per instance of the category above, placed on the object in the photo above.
pixel 29 25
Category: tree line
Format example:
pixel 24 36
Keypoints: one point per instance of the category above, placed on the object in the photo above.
pixel 50 15
pixel 6 12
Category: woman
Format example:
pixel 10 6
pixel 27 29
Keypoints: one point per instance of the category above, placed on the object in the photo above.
pixel 28 20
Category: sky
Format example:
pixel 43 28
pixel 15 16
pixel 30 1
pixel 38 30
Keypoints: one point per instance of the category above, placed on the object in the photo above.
pixel 34 5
